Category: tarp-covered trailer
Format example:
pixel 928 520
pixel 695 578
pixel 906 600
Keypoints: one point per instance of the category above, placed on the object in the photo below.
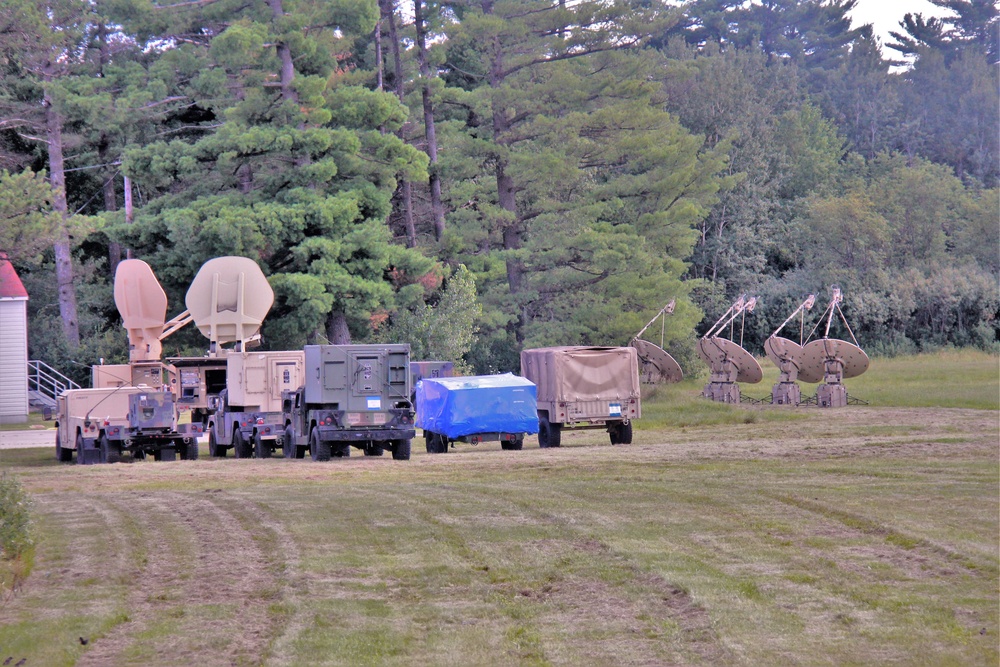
pixel 584 387
pixel 476 409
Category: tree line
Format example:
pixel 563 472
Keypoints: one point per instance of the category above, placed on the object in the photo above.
pixel 479 176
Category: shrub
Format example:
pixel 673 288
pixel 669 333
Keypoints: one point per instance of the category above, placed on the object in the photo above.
pixel 15 518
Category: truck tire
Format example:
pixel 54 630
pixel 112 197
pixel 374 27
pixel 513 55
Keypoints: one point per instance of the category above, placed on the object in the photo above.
pixel 214 450
pixel 374 449
pixel 319 450
pixel 240 448
pixel 111 452
pixel 79 448
pixel 190 451
pixel 400 450
pixel 549 434
pixel 288 446
pixel 260 451
pixel 62 455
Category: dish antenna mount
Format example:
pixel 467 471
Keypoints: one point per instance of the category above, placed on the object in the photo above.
pixel 656 366
pixel 786 355
pixel 727 359
pixel 831 360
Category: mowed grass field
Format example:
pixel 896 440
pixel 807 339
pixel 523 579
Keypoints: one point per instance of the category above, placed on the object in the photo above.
pixel 724 535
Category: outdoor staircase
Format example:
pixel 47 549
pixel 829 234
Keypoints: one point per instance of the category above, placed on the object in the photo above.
pixel 45 383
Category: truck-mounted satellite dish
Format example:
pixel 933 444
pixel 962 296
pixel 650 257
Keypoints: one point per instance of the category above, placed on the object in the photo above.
pixel 787 356
pixel 727 359
pixel 655 364
pixel 831 360
pixel 142 304
pixel 228 300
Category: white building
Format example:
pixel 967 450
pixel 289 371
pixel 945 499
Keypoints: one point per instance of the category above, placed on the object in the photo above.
pixel 13 346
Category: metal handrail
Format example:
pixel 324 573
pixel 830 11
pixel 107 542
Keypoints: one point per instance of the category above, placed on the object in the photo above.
pixel 46 380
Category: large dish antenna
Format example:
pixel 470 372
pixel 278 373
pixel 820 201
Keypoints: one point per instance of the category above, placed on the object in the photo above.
pixel 142 304
pixel 726 358
pixel 831 360
pixel 787 356
pixel 228 300
pixel 656 366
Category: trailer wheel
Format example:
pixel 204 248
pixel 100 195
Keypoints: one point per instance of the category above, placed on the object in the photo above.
pixel 240 448
pixel 63 455
pixel 214 450
pixel 427 441
pixel 516 444
pixel 400 449
pixel 259 450
pixel 319 450
pixel 110 452
pixel 549 435
pixel 626 433
pixel 288 446
pixel 435 443
pixel 190 451
pixel 374 449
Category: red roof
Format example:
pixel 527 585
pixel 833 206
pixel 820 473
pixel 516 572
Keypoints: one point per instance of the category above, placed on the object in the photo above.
pixel 10 285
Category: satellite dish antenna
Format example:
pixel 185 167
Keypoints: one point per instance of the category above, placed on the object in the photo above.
pixel 142 304
pixel 228 300
pixel 787 356
pixel 831 360
pixel 727 359
pixel 655 364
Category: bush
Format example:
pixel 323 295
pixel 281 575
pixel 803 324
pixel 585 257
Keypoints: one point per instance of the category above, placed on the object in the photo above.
pixel 15 518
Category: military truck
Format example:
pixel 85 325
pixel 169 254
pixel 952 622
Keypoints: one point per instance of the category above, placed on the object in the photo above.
pixel 353 396
pixel 247 415
pixel 584 387
pixel 102 424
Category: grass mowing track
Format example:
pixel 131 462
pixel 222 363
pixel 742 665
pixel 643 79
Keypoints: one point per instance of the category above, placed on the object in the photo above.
pixel 723 535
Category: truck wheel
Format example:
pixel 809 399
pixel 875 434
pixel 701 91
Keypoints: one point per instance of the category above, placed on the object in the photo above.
pixel 288 446
pixel 260 451
pixel 374 449
pixel 214 450
pixel 320 451
pixel 400 449
pixel 79 448
pixel 63 455
pixel 110 452
pixel 549 435
pixel 240 449
pixel 191 451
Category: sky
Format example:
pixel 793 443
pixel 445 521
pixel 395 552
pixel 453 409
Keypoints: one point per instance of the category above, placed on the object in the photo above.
pixel 885 15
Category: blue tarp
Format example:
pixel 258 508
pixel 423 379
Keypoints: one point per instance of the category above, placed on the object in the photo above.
pixel 479 404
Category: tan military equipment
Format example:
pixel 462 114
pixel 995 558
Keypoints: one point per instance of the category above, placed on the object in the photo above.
pixel 584 387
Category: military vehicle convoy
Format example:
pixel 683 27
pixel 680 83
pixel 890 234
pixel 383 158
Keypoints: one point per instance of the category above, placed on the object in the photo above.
pixel 353 396
pixel 584 387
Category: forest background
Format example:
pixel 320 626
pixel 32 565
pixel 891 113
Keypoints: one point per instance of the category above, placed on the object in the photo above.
pixel 480 176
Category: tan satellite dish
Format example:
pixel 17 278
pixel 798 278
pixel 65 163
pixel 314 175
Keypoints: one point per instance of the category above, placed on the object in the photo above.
pixel 724 355
pixel 655 364
pixel 816 355
pixel 143 306
pixel 782 351
pixel 229 299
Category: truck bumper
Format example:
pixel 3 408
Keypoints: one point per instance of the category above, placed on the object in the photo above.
pixel 364 435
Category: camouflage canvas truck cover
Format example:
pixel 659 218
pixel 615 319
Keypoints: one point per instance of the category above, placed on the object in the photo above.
pixel 353 396
pixel 584 387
